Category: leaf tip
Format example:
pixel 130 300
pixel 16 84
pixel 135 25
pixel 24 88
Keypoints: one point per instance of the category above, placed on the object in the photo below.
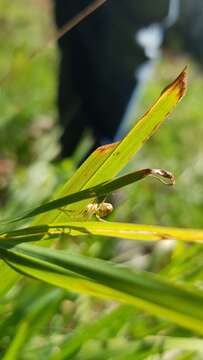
pixel 106 148
pixel 179 85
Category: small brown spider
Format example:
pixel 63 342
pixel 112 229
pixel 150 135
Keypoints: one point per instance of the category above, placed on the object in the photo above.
pixel 100 210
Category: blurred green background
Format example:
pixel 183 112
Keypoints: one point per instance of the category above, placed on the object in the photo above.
pixel 37 319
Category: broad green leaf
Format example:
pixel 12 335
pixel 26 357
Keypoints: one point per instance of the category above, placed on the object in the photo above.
pixel 100 190
pixel 106 161
pixel 100 278
pixel 100 228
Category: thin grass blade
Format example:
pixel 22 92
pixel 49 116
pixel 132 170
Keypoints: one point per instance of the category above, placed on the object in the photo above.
pixel 99 278
pixel 107 161
pixel 100 190
pixel 100 228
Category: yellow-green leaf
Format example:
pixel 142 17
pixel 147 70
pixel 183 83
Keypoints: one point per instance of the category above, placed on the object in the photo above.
pixel 103 279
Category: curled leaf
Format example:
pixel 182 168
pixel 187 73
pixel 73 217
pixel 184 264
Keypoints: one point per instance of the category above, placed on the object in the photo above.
pixel 101 190
pixel 164 176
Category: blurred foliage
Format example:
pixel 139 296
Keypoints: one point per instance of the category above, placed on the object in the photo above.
pixel 36 319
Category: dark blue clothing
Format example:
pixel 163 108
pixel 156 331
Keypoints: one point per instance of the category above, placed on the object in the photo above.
pixel 99 59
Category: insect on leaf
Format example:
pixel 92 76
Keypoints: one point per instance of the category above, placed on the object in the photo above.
pixel 107 161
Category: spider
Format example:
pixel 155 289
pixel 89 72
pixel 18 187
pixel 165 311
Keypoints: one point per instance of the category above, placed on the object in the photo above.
pixel 100 210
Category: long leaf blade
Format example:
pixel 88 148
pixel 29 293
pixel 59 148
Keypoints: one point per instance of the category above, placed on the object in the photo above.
pixel 100 190
pixel 99 278
pixel 106 161
pixel 100 228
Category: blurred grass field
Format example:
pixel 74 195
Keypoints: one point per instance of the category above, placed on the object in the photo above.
pixel 35 318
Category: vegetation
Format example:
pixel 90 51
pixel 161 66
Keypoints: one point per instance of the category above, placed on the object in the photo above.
pixel 158 282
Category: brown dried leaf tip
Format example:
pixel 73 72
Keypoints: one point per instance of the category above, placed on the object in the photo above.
pixel 166 177
pixel 106 148
pixel 179 85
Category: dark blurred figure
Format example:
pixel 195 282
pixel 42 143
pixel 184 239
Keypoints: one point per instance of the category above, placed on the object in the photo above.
pixel 102 58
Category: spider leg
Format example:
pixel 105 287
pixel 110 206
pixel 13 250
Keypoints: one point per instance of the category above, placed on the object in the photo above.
pixel 101 219
pixel 65 211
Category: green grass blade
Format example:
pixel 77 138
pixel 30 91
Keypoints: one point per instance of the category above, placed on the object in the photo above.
pixel 27 317
pixel 99 278
pixel 101 190
pixel 117 317
pixel 9 277
pixel 100 228
pixel 106 161
pixel 15 346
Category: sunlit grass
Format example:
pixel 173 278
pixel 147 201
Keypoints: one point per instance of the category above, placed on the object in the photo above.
pixel 37 320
